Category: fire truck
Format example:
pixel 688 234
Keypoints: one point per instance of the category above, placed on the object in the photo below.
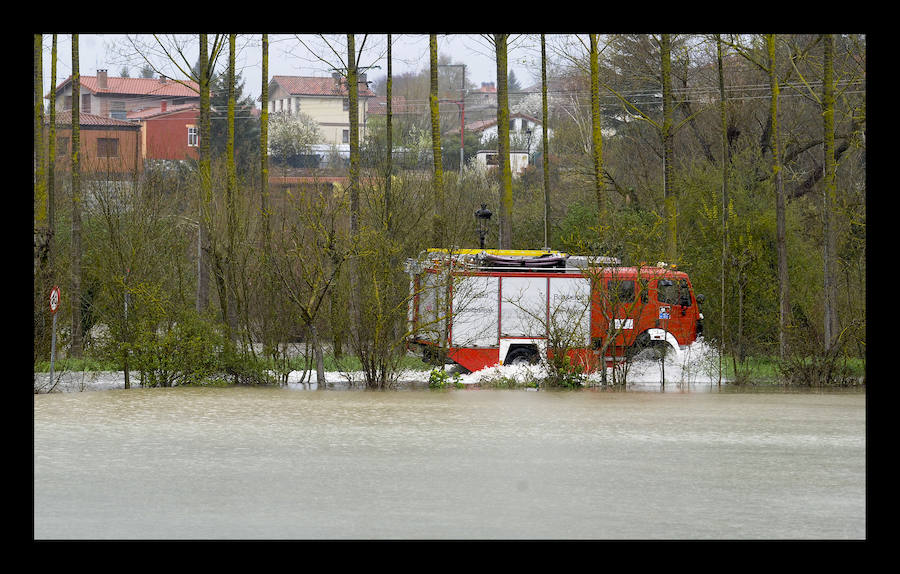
pixel 480 308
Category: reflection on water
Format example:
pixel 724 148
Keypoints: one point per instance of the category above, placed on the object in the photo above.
pixel 279 463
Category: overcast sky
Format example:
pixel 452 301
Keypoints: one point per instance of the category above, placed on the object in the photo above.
pixel 288 57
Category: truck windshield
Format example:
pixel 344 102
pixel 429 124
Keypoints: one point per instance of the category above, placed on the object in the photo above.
pixel 673 292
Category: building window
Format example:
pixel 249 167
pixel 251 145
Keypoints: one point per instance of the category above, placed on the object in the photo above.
pixel 193 136
pixel 117 110
pixel 346 104
pixel 86 103
pixel 346 136
pixel 107 147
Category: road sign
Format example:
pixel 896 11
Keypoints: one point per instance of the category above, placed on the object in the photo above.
pixel 664 313
pixel 54 299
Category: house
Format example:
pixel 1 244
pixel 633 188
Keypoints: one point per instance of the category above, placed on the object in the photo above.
pixel 109 148
pixel 518 160
pixel 525 132
pixel 325 99
pixel 169 132
pixel 115 97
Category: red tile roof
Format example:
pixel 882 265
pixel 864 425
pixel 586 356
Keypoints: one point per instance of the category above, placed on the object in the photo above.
pixel 139 87
pixel 314 86
pixel 157 111
pixel 64 119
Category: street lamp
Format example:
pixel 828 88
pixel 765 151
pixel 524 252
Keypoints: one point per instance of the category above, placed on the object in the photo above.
pixel 484 215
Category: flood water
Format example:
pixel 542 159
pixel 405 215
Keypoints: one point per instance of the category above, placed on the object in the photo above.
pixel 270 463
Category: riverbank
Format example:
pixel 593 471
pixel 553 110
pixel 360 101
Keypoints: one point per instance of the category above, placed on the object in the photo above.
pixel 693 366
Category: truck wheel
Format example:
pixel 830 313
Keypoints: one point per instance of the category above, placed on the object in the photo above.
pixel 644 349
pixel 521 356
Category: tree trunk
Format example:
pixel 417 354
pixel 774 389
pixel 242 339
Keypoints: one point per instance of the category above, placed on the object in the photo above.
pixel 725 164
pixel 389 134
pixel 596 136
pixel 264 147
pixel 780 234
pixel 204 169
pixel 230 191
pixel 353 88
pixel 670 200
pixel 51 167
pixel 438 232
pixel 317 353
pixel 545 156
pixel 504 172
pixel 40 183
pixel 830 193
pixel 76 345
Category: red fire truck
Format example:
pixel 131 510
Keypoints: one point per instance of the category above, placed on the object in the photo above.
pixel 492 307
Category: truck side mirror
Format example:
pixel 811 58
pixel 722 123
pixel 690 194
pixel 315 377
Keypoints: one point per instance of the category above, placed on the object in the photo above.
pixel 701 298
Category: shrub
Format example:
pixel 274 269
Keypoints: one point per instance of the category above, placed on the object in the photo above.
pixel 441 379
pixel 187 353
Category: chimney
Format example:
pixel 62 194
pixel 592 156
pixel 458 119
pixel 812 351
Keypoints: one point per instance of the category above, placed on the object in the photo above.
pixel 162 106
pixel 162 79
pixel 362 80
pixel 337 80
pixel 101 79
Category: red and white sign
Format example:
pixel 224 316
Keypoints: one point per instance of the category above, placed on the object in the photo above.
pixel 54 299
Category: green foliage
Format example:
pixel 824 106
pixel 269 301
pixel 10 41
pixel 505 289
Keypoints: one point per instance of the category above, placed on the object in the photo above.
pixel 441 379
pixel 563 373
pixel 291 137
pixel 189 352
pixel 246 123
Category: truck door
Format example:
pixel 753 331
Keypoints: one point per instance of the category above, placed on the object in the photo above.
pixel 619 306
pixel 675 293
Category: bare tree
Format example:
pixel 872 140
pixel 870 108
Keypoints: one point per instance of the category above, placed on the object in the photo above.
pixel 76 345
pixel 434 107
pixel 503 171
pixel 774 143
pixel 173 50
pixel 389 135
pixel 596 135
pixel 725 164
pixel 264 146
pixel 51 164
pixel 830 192
pixel 666 134
pixel 40 182
pixel 545 135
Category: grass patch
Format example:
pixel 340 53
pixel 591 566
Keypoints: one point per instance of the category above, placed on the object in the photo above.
pixel 770 370
pixel 89 364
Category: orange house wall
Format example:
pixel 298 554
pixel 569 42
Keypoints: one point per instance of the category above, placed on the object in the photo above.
pixel 128 158
pixel 167 136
